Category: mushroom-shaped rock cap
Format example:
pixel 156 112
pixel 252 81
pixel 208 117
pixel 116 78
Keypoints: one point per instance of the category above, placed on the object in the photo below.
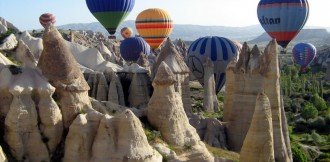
pixel 57 62
pixel 164 75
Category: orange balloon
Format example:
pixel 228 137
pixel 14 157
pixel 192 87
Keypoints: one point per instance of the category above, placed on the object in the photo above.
pixel 154 26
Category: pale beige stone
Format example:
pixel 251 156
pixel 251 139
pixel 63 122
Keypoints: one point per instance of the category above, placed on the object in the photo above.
pixel 210 102
pixel 51 124
pixel 122 139
pixel 258 144
pixel 9 42
pixel 82 132
pixel 3 157
pixel 21 128
pixel 25 56
pixel 115 93
pixel 272 90
pixel 102 88
pixel 229 92
pixel 139 90
pixel 166 113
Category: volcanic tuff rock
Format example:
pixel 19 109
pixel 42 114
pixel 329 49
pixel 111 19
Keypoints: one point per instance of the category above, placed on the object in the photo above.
pixel 166 113
pixel 258 143
pixel 8 43
pixel 255 73
pixel 60 68
pixel 175 61
pixel 25 56
pixel 123 139
pixel 210 102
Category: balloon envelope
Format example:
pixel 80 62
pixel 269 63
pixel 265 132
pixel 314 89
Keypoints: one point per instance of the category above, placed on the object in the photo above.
pixel 131 48
pixel 110 13
pixel 283 19
pixel 126 32
pixel 304 53
pixel 219 49
pixel 47 19
pixel 154 26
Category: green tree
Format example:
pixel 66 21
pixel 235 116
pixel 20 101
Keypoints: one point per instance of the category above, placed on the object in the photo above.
pixel 298 154
pixel 309 112
pixel 319 102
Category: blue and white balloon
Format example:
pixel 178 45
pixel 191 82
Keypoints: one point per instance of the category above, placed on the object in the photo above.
pixel 220 50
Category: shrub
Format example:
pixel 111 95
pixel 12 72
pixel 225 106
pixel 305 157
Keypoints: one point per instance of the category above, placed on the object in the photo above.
pixel 309 112
pixel 327 120
pixel 298 154
pixel 317 139
pixel 301 125
pixel 317 123
pixel 319 102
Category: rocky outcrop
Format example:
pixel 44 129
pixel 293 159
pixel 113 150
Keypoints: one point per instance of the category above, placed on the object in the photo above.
pixel 258 143
pixel 25 56
pixel 3 157
pixel 124 140
pixel 182 48
pixel 34 44
pixel 8 43
pixel 255 73
pixel 175 61
pixel 106 53
pixel 82 132
pixel 23 133
pixel 166 113
pixel 60 68
pixel 210 102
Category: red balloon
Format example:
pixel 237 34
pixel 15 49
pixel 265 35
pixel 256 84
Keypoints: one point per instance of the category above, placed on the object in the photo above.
pixel 47 19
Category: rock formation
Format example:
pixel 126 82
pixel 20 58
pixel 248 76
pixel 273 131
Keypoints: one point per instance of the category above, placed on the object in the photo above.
pixel 258 144
pixel 175 61
pixel 210 102
pixel 166 113
pixel 8 43
pixel 34 44
pixel 106 53
pixel 115 93
pixel 181 46
pixel 60 68
pixel 121 138
pixel 25 56
pixel 255 73
pixel 22 132
pixel 3 157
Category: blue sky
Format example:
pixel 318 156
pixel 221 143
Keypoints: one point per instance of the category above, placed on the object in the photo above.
pixel 25 13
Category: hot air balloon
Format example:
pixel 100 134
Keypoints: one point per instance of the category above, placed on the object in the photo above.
pixel 283 19
pixel 126 32
pixel 303 54
pixel 219 49
pixel 154 26
pixel 131 48
pixel 110 13
pixel 47 19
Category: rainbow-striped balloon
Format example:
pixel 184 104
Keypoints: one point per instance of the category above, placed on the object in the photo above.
pixel 47 19
pixel 154 26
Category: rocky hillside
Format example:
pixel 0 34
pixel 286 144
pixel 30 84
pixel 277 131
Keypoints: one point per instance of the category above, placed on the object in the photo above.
pixel 318 37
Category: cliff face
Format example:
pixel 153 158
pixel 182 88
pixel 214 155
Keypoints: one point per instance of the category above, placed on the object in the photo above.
pixel 255 72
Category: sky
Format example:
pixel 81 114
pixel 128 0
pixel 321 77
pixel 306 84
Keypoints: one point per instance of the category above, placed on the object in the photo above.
pixel 24 14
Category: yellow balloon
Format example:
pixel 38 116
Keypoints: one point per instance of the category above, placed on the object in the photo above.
pixel 154 26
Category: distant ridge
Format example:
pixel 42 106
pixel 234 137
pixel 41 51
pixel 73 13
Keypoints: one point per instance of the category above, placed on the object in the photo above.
pixel 185 32
pixel 318 37
pixel 253 34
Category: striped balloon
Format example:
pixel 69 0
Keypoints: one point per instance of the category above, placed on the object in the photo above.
pixel 154 25
pixel 126 32
pixel 110 13
pixel 220 50
pixel 131 48
pixel 283 19
pixel 47 19
pixel 304 54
